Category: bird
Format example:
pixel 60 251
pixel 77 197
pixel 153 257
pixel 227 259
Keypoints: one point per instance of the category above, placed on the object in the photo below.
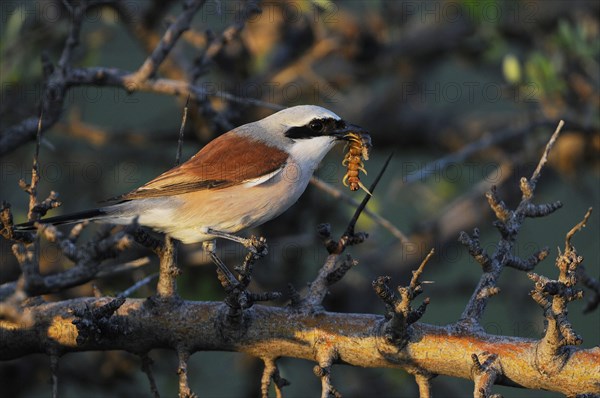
pixel 239 180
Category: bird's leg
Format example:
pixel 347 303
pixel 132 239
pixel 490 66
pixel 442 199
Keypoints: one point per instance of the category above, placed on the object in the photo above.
pixel 238 297
pixel 255 245
pixel 210 248
pixel 257 248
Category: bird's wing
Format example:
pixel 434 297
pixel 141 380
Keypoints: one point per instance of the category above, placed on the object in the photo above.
pixel 227 160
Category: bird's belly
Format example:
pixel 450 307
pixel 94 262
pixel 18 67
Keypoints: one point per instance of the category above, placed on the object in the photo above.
pixel 227 210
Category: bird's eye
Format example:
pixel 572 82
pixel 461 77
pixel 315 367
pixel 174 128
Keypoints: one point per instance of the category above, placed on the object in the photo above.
pixel 316 125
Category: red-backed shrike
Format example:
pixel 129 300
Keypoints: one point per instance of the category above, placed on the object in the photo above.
pixel 239 180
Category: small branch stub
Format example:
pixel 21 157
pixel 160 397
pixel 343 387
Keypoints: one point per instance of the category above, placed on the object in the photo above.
pixel 326 355
pixel 424 384
pixel 553 296
pixel 147 369
pixel 271 372
pixel 97 324
pixel 166 288
pixel 484 372
pixel 400 313
pixel 54 369
pixel 184 388
pixel 594 285
pixel 475 250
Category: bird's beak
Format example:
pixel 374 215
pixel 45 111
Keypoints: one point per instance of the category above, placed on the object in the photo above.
pixel 342 134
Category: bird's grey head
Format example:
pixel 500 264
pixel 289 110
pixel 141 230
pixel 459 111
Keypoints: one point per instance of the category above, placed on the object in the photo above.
pixel 304 122
pixel 299 116
pixel 305 131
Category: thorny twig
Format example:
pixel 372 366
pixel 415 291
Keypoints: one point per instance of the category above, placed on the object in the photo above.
pixel 87 264
pixel 350 237
pixel 424 384
pixel 147 369
pixel 31 188
pixel 27 251
pixel 325 356
pixel 334 268
pixel 538 170
pixel 553 296
pixel 349 234
pixel 54 362
pixel 338 194
pixel 181 131
pixel 271 372
pixel 184 388
pixel 167 42
pixel 87 259
pixel 485 374
pixel 136 286
pixel 594 285
pixel 509 223
pixel 216 45
pixel 400 313
pixel 29 260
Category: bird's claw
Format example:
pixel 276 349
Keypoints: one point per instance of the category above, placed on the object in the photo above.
pixel 257 246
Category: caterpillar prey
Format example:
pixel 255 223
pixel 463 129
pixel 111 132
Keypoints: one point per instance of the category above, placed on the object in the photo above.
pixel 359 146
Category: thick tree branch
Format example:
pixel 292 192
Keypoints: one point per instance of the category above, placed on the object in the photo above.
pixel 358 339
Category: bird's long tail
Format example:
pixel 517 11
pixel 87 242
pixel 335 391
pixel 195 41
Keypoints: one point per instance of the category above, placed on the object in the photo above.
pixel 94 214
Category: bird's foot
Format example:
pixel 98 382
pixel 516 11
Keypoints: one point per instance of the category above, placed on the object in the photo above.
pixel 238 297
pixel 256 245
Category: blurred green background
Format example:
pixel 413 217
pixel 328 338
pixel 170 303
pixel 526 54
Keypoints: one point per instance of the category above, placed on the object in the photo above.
pixel 426 78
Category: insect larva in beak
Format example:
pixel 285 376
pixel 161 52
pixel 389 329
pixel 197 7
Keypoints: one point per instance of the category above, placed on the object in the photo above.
pixel 359 146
